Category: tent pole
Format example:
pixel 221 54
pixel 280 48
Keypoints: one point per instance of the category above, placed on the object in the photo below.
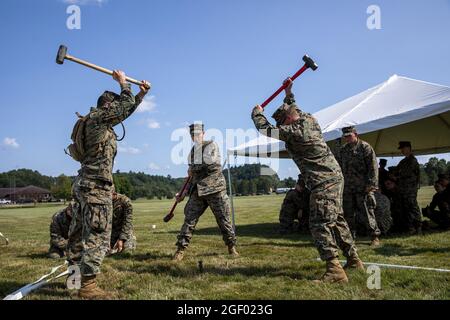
pixel 231 192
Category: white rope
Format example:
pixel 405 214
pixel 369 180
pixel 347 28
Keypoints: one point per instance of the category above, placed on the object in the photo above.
pixel 399 266
pixel 6 239
pixel 25 290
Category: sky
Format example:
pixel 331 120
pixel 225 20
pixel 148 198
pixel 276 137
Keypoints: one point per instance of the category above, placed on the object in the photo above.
pixel 208 60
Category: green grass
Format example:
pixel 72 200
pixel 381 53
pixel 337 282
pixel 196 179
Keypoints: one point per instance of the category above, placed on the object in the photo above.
pixel 270 266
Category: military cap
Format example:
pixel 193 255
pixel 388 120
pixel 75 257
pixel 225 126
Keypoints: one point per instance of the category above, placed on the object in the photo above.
pixel 196 127
pixel 106 97
pixel 347 131
pixel 443 176
pixel 383 161
pixel 403 144
pixel 281 113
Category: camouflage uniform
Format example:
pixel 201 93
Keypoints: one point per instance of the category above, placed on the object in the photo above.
pixel 442 216
pixel 207 189
pixel 322 176
pixel 408 171
pixel 122 223
pixel 90 231
pixel 59 231
pixel 295 207
pixel 359 166
pixel 383 212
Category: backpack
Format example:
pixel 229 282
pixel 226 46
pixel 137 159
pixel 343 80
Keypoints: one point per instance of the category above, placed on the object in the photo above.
pixel 76 149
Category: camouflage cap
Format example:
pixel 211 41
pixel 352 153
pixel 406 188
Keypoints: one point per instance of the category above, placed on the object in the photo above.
pixel 300 180
pixel 403 144
pixel 347 131
pixel 281 113
pixel 107 96
pixel 196 127
pixel 443 176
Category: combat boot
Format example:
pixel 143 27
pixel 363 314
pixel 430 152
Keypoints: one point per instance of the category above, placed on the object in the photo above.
pixel 354 262
pixel 334 273
pixel 232 251
pixel 179 255
pixel 375 241
pixel 89 290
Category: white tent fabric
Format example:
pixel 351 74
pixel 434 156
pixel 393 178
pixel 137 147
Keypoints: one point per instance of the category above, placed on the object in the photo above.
pixel 396 110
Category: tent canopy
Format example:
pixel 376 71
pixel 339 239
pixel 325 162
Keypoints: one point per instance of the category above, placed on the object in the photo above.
pixel 399 109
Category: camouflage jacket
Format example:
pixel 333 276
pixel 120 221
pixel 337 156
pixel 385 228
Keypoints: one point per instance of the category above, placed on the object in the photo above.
pixel 408 174
pixel 440 201
pixel 305 145
pixel 359 166
pixel 59 229
pixel 205 165
pixel 100 139
pixel 296 200
pixel 122 222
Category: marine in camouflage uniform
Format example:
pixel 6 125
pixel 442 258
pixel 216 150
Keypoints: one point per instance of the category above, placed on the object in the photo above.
pixel 207 189
pixel 90 230
pixel 323 177
pixel 440 201
pixel 59 232
pixel 408 181
pixel 122 223
pixel 295 207
pixel 399 219
pixel 359 166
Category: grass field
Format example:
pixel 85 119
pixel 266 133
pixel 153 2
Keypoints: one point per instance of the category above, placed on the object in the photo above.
pixel 270 266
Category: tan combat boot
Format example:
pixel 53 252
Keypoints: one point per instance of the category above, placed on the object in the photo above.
pixel 334 273
pixel 232 251
pixel 375 241
pixel 179 254
pixel 354 262
pixel 89 290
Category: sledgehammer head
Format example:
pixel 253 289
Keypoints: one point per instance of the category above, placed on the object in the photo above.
pixel 62 51
pixel 310 62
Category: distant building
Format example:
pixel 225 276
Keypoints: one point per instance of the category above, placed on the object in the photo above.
pixel 26 194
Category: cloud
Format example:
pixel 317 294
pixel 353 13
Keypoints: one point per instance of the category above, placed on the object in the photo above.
pixel 153 166
pixel 153 124
pixel 11 142
pixel 85 2
pixel 129 150
pixel 147 105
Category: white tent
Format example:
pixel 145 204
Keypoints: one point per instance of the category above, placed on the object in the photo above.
pixel 395 110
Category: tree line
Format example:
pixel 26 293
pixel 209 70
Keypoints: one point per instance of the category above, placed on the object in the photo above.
pixel 246 180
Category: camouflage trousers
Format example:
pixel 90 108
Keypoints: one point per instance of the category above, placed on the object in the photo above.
pixel 359 209
pixel 326 221
pixel 289 212
pixel 90 229
pixel 411 209
pixel 196 206
pixel 383 212
pixel 57 245
pixel 442 219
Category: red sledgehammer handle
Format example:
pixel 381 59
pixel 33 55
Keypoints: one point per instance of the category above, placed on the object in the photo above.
pixel 276 93
pixel 170 215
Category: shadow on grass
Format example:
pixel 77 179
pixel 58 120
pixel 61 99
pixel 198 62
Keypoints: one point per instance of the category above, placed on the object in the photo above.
pixel 40 255
pixel 399 250
pixel 140 256
pixel 182 271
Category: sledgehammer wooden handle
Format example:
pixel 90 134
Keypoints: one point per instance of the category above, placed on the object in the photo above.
pixel 101 69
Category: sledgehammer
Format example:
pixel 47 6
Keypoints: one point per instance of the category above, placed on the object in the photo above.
pixel 309 63
pixel 62 55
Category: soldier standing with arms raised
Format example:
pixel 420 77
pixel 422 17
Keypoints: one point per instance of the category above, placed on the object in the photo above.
pixel 96 148
pixel 359 166
pixel 323 177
